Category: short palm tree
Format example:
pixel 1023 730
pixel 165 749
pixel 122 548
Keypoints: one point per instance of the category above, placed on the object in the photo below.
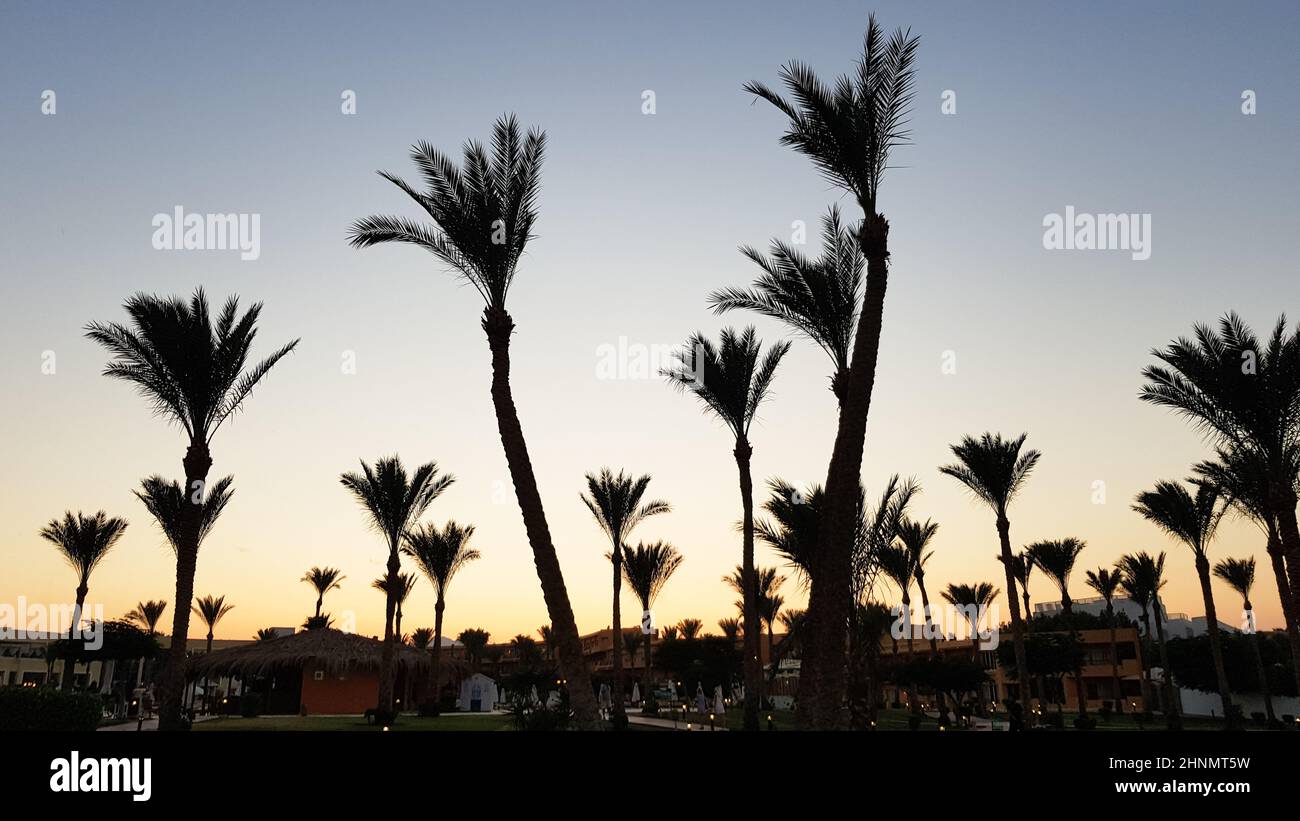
pixel 483 214
pixel 323 579
pixel 1242 475
pixel 732 379
pixel 475 641
pixel 422 638
pixel 1144 578
pixel 848 131
pixel 266 634
pixel 973 600
pixel 769 602
pixel 792 529
pixel 146 614
pixel 1138 593
pixel 994 470
pixel 440 554
pixel 615 501
pixel 83 542
pixel 393 501
pixel 1105 582
pixel 211 609
pixel 1239 574
pixel 1193 520
pixel 897 565
pixel 916 537
pixel 1056 558
pixel 547 636
pixel 647 568
pixel 690 628
pixel 398 593
pixel 817 298
pixel 730 628
pixel 1022 568
pixel 196 374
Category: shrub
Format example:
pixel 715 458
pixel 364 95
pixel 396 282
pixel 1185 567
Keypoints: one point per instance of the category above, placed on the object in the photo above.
pixel 1082 723
pixel 45 708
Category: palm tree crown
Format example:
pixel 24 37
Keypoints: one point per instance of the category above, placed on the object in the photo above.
pixel 483 211
pixel 1239 574
pixel 731 379
pixel 440 553
pixel 83 541
pixel 1191 519
pixel 211 609
pixel 992 468
pixel 324 579
pixel 1105 581
pixel 1056 558
pixel 615 503
pixel 648 567
pixel 167 502
pixel 394 500
pixel 147 614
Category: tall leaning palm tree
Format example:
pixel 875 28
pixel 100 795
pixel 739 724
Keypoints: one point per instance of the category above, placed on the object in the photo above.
pixel 994 470
pixel 615 503
pixel 1239 574
pixel 1193 520
pixel 1144 575
pixel 440 553
pixel 323 580
pixel 195 372
pixel 731 379
pixel 648 568
pixel 83 542
pixel 1056 558
pixel 916 537
pixel 393 501
pixel 146 614
pixel 482 216
pixel 1105 582
pixel 817 298
pixel 848 130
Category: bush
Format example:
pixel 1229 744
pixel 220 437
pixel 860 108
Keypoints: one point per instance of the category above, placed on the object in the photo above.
pixel 1082 723
pixel 45 708
pixel 1054 720
pixel 250 706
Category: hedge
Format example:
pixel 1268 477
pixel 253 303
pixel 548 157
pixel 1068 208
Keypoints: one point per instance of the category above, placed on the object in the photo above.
pixel 47 708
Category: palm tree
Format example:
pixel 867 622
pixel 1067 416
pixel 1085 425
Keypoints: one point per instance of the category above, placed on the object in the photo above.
pixel 895 561
pixel 792 530
pixel 690 628
pixel 548 640
pixel 1193 521
pixel 525 650
pixel 1021 568
pixel 731 379
pixel 1242 476
pixel 146 614
pixel 1106 583
pixel 323 579
pixel 405 583
pixel 849 131
pixel 817 298
pixel 211 610
pixel 916 537
pixel 767 582
pixel 1137 592
pixel 994 470
pixel 647 568
pixel 483 214
pixel 266 634
pixel 973 600
pixel 1144 574
pixel 440 555
pixel 422 638
pixel 615 503
pixel 194 374
pixel 474 640
pixel 1056 558
pixel 83 542
pixel 730 628
pixel 1245 396
pixel 394 502
pixel 1239 574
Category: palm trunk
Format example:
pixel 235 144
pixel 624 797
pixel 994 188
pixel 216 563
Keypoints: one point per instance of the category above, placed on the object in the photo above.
pixel 1216 649
pixel 647 684
pixel 1114 659
pixel 1146 672
pixel 1168 696
pixel 752 670
pixel 434 689
pixel 319 601
pixel 385 705
pixel 1080 692
pixel 197 463
pixel 829 605
pixel 1259 664
pixel 69 662
pixel 1017 626
pixel 619 711
pixel 498 325
pixel 207 695
pixel 925 607
pixel 1289 532
pixel 1288 595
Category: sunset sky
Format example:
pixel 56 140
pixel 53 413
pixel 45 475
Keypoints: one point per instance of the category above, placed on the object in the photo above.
pixel 1104 107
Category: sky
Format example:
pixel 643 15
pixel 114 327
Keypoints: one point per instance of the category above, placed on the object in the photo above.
pixel 239 108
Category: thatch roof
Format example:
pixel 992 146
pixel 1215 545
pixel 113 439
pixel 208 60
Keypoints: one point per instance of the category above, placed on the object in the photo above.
pixel 328 649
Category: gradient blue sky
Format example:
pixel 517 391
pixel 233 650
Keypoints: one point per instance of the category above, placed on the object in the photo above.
pixel 234 107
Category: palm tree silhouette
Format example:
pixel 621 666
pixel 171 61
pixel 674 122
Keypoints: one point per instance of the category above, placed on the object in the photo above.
pixel 730 628
pixel 483 214
pixel 1056 558
pixel 323 579
pixel 83 542
pixel 732 379
pixel 440 554
pixel 1138 593
pixel 394 502
pixel 690 628
pixel 792 530
pixel 194 373
pixel 1022 566
pixel 1242 476
pixel 817 298
pixel 1144 579
pixel 647 568
pixel 146 614
pixel 475 641
pixel 1106 583
pixel 1239 574
pixel 848 131
pixel 1193 520
pixel 994 470
pixel 973 600
pixel 265 634
pixel 769 603
pixel 211 610
pixel 399 591
pixel 896 562
pixel 1243 395
pixel 615 503
pixel 916 537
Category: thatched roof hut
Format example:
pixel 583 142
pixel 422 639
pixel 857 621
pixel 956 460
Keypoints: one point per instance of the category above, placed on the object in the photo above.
pixel 324 649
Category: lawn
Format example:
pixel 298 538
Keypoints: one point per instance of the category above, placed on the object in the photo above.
pixel 345 724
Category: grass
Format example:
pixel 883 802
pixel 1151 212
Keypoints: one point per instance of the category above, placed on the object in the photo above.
pixel 346 724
